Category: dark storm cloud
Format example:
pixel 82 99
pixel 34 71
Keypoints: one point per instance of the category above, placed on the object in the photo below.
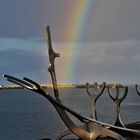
pixel 115 20
pixel 108 20
pixel 24 19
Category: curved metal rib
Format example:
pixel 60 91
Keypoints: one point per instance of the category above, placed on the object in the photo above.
pixel 137 89
pixel 94 96
pixel 118 101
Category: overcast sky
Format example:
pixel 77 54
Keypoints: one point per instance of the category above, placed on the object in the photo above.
pixel 109 45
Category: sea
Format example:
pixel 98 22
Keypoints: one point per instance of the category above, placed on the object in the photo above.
pixel 26 115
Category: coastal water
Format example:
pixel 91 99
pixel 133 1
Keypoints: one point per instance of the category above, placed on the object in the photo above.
pixel 25 115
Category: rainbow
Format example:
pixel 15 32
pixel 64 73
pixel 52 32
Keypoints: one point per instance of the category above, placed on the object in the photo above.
pixel 77 19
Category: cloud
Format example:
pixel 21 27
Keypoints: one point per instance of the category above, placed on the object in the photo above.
pixel 107 21
pixel 103 61
pixel 116 61
pixel 22 57
pixel 116 20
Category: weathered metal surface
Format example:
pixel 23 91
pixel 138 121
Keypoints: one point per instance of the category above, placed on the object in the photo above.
pixel 117 100
pixel 94 96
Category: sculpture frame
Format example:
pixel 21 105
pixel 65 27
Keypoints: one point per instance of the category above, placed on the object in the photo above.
pixel 90 128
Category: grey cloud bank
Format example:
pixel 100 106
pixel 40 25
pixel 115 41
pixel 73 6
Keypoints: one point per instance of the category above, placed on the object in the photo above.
pixel 105 61
pixel 29 60
pixel 108 50
pixel 108 20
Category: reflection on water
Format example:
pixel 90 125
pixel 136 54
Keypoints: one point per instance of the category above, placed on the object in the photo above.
pixel 27 115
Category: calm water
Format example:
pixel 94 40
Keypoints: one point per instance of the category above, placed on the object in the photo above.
pixel 26 115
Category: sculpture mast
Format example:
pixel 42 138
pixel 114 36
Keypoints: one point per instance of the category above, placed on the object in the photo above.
pixel 52 56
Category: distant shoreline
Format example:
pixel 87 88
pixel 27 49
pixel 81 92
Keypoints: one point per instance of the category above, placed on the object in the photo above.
pixel 113 85
pixel 42 85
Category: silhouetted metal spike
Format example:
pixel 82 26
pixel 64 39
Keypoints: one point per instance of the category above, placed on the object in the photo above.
pixel 19 81
pixel 137 89
pixel 31 81
pixel 52 56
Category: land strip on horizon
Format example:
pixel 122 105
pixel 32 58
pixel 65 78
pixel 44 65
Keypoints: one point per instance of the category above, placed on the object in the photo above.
pixel 112 85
